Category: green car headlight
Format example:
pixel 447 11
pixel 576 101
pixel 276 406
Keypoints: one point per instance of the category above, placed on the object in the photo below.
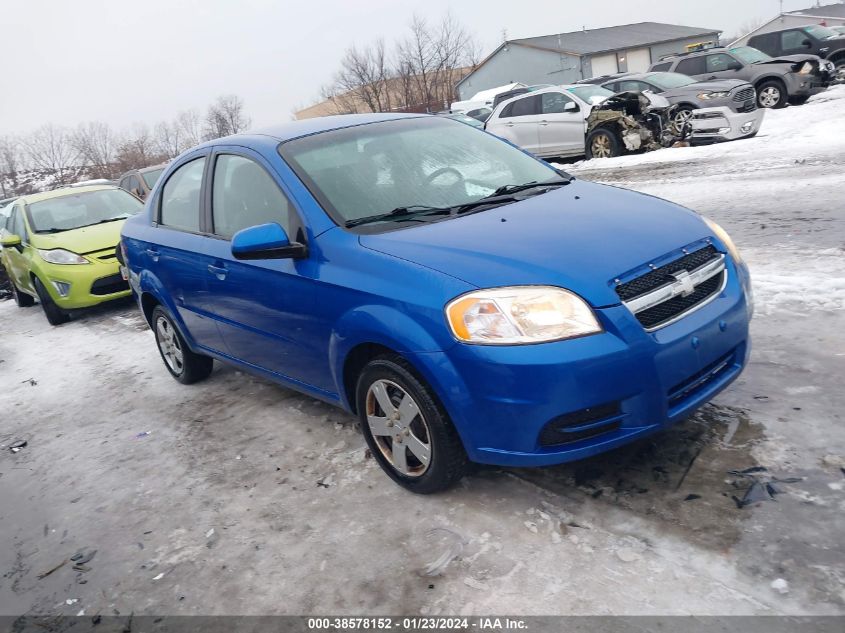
pixel 61 256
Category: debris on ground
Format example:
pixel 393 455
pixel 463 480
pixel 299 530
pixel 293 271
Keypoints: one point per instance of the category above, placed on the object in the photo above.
pixel 50 571
pixel 763 486
pixel 692 497
pixel 159 577
pixel 143 434
pixel 327 481
pixel 780 585
pixel 32 382
pixel 452 544
pixel 627 555
pixel 17 445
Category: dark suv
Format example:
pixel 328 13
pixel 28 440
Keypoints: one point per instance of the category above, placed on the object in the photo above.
pixel 777 81
pixel 813 39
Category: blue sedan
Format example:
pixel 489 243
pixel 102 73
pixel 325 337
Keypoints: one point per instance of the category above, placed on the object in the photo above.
pixel 468 302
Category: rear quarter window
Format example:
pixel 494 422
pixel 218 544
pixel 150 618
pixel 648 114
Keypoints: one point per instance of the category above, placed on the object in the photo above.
pixel 180 198
pixel 661 67
pixel 691 66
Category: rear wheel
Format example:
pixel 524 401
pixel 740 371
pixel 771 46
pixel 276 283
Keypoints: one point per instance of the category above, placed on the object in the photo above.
pixel 408 431
pixel 21 298
pixel 602 143
pixel 771 94
pixel 184 365
pixel 798 100
pixel 55 315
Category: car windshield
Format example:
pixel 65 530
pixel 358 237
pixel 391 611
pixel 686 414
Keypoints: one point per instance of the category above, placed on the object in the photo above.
pixel 591 94
pixel 821 32
pixel 150 177
pixel 750 55
pixel 76 210
pixel 463 118
pixel 667 81
pixel 425 162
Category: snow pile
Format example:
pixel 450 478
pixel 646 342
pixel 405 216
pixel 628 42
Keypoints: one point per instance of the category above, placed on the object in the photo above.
pixel 791 279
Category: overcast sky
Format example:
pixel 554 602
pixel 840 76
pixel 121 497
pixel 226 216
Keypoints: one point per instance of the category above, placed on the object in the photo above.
pixel 123 62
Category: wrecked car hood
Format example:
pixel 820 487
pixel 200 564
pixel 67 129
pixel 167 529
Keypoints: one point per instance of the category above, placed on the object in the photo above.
pixel 580 236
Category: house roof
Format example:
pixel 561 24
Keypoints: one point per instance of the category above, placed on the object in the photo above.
pixel 825 11
pixel 610 38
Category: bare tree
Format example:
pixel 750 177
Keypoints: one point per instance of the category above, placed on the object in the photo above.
pixel 189 123
pixel 225 116
pixel 137 149
pixel 169 141
pixel 9 164
pixel 50 148
pixel 365 75
pixel 96 145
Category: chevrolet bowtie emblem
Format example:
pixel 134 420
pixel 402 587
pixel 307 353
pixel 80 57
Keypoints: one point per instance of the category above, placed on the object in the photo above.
pixel 683 285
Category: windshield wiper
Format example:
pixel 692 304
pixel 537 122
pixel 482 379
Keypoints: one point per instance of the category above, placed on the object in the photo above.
pixel 508 189
pixel 51 230
pixel 82 226
pixel 400 213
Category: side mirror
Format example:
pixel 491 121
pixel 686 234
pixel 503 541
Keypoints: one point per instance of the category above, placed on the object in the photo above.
pixel 734 66
pixel 807 44
pixel 266 241
pixel 10 240
pixel 570 106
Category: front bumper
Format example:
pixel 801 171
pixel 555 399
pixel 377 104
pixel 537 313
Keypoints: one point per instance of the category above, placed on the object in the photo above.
pixel 805 85
pixel 82 286
pixel 502 399
pixel 710 125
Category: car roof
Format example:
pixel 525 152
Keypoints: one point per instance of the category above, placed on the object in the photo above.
pixel 64 191
pixel 307 127
pixel 145 170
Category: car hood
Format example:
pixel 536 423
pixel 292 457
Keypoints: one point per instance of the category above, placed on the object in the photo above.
pixel 711 86
pixel 87 239
pixel 581 236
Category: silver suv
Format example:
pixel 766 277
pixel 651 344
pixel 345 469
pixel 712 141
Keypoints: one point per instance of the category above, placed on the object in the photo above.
pixel 777 82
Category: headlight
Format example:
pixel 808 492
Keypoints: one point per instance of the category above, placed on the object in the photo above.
pixel 806 69
pixel 61 256
pixel 519 315
pixel 723 236
pixel 714 95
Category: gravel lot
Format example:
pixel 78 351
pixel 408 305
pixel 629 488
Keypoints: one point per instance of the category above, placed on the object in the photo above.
pixel 236 496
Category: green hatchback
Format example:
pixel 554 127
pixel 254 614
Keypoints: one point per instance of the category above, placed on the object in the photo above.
pixel 59 248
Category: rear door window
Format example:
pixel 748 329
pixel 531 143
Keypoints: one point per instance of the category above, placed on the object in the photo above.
pixel 522 107
pixel 180 198
pixel 662 67
pixel 691 66
pixel 554 102
pixel 245 195
pixel 792 40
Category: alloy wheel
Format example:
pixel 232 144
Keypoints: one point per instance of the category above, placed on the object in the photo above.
pixel 680 120
pixel 399 428
pixel 600 147
pixel 769 97
pixel 168 343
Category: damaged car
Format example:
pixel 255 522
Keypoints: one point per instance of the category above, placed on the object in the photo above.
pixel 778 82
pixel 578 120
pixel 720 110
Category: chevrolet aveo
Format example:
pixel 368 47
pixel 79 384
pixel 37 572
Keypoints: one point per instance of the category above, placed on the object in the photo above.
pixel 467 301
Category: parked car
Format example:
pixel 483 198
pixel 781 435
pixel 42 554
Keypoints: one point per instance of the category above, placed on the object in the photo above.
pixel 140 182
pixel 573 120
pixel 777 81
pixel 463 118
pixel 59 248
pixel 732 101
pixel 465 300
pixel 812 39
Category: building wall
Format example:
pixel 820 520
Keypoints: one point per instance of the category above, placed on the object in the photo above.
pixel 520 63
pixel 788 21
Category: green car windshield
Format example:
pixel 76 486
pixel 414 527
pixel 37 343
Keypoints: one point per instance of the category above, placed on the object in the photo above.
pixel 73 211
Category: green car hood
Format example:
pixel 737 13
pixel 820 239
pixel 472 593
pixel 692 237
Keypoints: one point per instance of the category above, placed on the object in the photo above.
pixel 87 239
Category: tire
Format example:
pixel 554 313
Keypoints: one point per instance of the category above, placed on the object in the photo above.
pixel 772 94
pixel 680 119
pixel 184 365
pixel 55 315
pixel 797 101
pixel 22 299
pixel 602 143
pixel 433 457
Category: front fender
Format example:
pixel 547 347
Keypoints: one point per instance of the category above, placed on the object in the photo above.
pixel 380 325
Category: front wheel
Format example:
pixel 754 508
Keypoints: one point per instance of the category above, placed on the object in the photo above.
pixel 22 299
pixel 771 94
pixel 681 120
pixel 184 365
pixel 408 431
pixel 55 315
pixel 602 143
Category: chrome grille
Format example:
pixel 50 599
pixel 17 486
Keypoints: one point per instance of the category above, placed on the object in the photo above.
pixel 666 294
pixel 744 94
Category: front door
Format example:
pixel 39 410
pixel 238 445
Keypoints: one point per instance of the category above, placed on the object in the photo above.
pixel 265 309
pixel 561 125
pixel 18 258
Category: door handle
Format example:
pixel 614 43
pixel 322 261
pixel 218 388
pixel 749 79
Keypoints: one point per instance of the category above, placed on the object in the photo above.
pixel 712 77
pixel 508 124
pixel 544 122
pixel 154 254
pixel 218 271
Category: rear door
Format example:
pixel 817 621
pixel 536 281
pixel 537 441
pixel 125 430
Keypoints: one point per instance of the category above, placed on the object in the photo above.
pixel 692 66
pixel 264 307
pixel 519 123
pixel 561 127
pixel 180 257
pixel 792 42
